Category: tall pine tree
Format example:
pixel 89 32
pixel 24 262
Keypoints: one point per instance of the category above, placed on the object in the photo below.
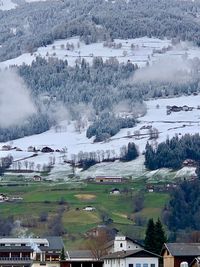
pixel 160 236
pixel 149 242
pixel 155 236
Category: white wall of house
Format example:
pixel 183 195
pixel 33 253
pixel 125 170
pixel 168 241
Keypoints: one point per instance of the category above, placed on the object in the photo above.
pixel 48 264
pixel 121 243
pixel 132 262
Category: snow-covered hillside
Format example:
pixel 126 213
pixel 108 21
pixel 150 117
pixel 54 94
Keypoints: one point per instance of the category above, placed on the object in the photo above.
pixel 9 4
pixel 71 142
pixel 138 51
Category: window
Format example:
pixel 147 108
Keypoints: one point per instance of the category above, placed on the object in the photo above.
pixel 130 265
pixel 121 245
pixel 145 264
pixel 153 265
pixel 138 265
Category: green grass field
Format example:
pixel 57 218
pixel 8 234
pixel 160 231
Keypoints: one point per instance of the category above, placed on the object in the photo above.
pixel 46 197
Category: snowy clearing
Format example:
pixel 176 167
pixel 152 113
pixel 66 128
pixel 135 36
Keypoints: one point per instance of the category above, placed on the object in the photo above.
pixel 9 4
pixel 67 137
pixel 138 51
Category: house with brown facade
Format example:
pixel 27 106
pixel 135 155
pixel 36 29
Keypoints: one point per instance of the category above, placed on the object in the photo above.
pixel 176 253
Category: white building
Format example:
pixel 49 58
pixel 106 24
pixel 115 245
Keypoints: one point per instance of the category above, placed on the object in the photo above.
pixel 131 258
pixel 122 243
pixel 89 208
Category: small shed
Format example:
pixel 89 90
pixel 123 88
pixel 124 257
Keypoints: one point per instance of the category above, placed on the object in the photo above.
pixel 115 191
pixel 47 149
pixel 89 208
pixel 37 178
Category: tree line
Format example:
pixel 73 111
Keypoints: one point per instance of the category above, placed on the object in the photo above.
pixel 39 24
pixel 172 152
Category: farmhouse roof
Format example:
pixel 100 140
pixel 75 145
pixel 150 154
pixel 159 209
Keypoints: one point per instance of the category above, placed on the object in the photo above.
pixel 182 249
pixel 131 253
pixel 108 177
pixel 111 243
pixel 54 243
pixel 80 254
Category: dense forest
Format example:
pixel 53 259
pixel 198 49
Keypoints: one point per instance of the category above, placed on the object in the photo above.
pixel 183 210
pixel 172 152
pixel 39 24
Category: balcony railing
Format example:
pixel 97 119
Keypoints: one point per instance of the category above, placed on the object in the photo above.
pixel 15 260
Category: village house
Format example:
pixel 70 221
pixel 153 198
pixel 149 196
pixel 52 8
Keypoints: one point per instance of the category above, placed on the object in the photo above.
pixel 176 253
pixel 131 258
pixel 31 149
pixel 101 230
pixel 6 148
pixel 122 243
pixel 37 178
pixel 189 163
pixel 30 252
pixel 18 149
pixel 3 198
pixel 89 208
pixel 17 198
pixel 47 149
pixel 81 258
pixel 108 179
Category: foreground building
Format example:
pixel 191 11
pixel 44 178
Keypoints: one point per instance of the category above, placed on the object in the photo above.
pixel 81 258
pixel 120 252
pixel 132 258
pixel 27 252
pixel 176 253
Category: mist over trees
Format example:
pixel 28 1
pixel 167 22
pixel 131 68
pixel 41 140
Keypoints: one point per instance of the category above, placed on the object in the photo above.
pixel 62 89
pixel 98 89
pixel 102 86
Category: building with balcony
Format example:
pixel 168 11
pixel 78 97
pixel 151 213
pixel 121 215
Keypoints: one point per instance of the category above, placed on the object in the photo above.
pixel 30 252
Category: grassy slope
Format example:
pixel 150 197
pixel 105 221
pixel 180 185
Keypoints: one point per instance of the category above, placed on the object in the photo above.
pixel 40 197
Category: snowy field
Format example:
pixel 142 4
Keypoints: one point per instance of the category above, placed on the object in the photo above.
pixel 9 4
pixel 168 125
pixel 138 51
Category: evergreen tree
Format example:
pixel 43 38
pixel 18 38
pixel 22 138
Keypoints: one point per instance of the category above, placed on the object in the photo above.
pixel 160 236
pixel 197 171
pixel 149 242
pixel 62 254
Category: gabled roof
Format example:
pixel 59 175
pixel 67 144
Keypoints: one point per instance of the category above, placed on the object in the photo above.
pixel 197 260
pixel 55 243
pixel 80 254
pixel 111 243
pixel 182 249
pixel 131 253
pixel 134 241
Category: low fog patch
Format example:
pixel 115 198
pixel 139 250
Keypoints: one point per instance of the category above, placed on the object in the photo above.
pixel 15 100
